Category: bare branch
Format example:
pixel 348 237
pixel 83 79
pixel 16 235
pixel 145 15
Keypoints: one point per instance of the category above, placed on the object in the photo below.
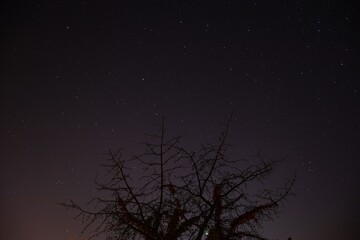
pixel 181 194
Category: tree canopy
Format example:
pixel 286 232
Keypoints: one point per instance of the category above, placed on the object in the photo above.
pixel 183 194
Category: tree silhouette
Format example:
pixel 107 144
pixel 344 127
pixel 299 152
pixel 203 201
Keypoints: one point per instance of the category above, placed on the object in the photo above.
pixel 183 194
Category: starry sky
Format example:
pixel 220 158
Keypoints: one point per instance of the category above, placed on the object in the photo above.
pixel 78 77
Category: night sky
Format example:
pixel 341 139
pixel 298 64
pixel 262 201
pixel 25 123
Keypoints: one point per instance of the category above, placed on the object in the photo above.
pixel 78 77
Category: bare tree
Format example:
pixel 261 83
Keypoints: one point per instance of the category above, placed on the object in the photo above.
pixel 183 194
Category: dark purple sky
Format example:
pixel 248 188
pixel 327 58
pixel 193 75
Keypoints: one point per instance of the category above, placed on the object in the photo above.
pixel 77 78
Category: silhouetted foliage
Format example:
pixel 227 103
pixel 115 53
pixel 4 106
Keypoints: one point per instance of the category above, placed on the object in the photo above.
pixel 183 194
